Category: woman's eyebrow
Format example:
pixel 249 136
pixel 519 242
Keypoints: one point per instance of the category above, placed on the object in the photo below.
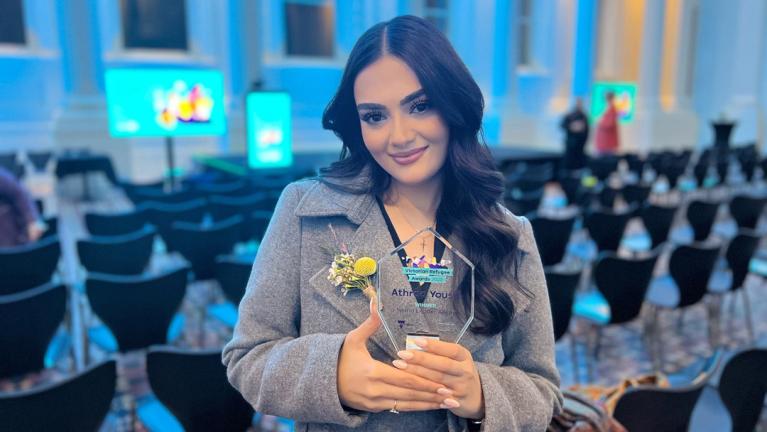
pixel 407 99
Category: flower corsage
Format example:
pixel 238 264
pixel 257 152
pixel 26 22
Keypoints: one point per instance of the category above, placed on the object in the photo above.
pixel 350 273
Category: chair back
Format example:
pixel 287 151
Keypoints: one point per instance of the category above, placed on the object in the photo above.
pixel 655 409
pixel 552 237
pixel 701 215
pixel 162 216
pixel 232 275
pixel 28 321
pixel 127 254
pixel 657 221
pixel 137 309
pixel 623 283
pixel 636 194
pixel 561 286
pixel 691 266
pixel 28 266
pixel 606 228
pixel 115 224
pixel 739 253
pixel 201 245
pixel 742 387
pixel 194 387
pixel 747 210
pixel 79 403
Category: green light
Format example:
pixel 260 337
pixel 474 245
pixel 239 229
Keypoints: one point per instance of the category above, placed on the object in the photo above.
pixel 625 100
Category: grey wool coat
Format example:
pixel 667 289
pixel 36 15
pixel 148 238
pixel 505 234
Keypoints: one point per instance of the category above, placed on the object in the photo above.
pixel 283 356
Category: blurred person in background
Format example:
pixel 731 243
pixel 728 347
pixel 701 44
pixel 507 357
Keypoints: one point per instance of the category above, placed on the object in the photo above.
pixel 608 139
pixel 576 127
pixel 18 215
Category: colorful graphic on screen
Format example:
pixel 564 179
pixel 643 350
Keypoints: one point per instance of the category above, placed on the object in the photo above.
pixel 165 102
pixel 625 100
pixel 269 130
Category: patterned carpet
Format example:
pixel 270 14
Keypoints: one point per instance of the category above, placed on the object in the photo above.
pixel 622 353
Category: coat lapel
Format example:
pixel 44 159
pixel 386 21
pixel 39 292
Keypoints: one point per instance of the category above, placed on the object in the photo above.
pixel 371 238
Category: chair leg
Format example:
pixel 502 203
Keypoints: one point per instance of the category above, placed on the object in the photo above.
pixel 657 351
pixel 713 310
pixel 597 342
pixel 680 320
pixel 574 358
pixel 747 311
pixel 590 359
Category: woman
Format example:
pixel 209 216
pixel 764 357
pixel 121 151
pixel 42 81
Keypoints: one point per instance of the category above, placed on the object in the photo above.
pixel 408 113
pixel 18 214
pixel 608 135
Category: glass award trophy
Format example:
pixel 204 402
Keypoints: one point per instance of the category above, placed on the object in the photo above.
pixel 415 293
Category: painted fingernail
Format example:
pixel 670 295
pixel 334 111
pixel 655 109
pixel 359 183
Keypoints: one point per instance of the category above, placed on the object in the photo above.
pixel 421 342
pixel 451 403
pixel 444 391
pixel 405 355
pixel 399 364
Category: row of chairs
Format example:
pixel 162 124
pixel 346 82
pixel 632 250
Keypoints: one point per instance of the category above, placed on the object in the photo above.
pixel 625 285
pixel 191 384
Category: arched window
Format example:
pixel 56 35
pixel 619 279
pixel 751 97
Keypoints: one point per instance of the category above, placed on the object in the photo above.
pixel 152 24
pixel 12 30
pixel 310 28
pixel 525 33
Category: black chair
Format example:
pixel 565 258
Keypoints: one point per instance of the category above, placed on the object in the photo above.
pixel 747 210
pixel 116 224
pixel 635 164
pixel 552 237
pixel 200 245
pixel 654 409
pixel 39 160
pixel 232 275
pixel 561 286
pixel 601 167
pixel 607 197
pixel 51 227
pixel 657 221
pixel 742 387
pixel 522 203
pixel 690 269
pixel 28 266
pixel 137 309
pixel 701 215
pixel 571 187
pixel 636 194
pixel 194 387
pixel 231 189
pixel 623 284
pixel 28 321
pixel 162 216
pixel 79 403
pixel 153 195
pixel 606 228
pixel 8 161
pixel 255 226
pixel 738 255
pixel 127 254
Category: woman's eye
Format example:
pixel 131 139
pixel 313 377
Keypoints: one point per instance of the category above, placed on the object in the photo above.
pixel 372 117
pixel 420 106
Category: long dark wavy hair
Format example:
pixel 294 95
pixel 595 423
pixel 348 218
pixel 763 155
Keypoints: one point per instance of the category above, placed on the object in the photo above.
pixel 472 186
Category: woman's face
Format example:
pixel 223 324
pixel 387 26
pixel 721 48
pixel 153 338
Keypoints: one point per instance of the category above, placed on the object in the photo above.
pixel 400 128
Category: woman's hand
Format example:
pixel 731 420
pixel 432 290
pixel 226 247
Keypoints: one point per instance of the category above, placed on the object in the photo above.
pixel 369 385
pixel 452 365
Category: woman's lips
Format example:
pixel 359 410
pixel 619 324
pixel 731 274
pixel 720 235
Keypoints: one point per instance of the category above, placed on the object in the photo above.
pixel 409 157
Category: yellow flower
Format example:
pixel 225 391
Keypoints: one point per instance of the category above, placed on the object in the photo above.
pixel 365 266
